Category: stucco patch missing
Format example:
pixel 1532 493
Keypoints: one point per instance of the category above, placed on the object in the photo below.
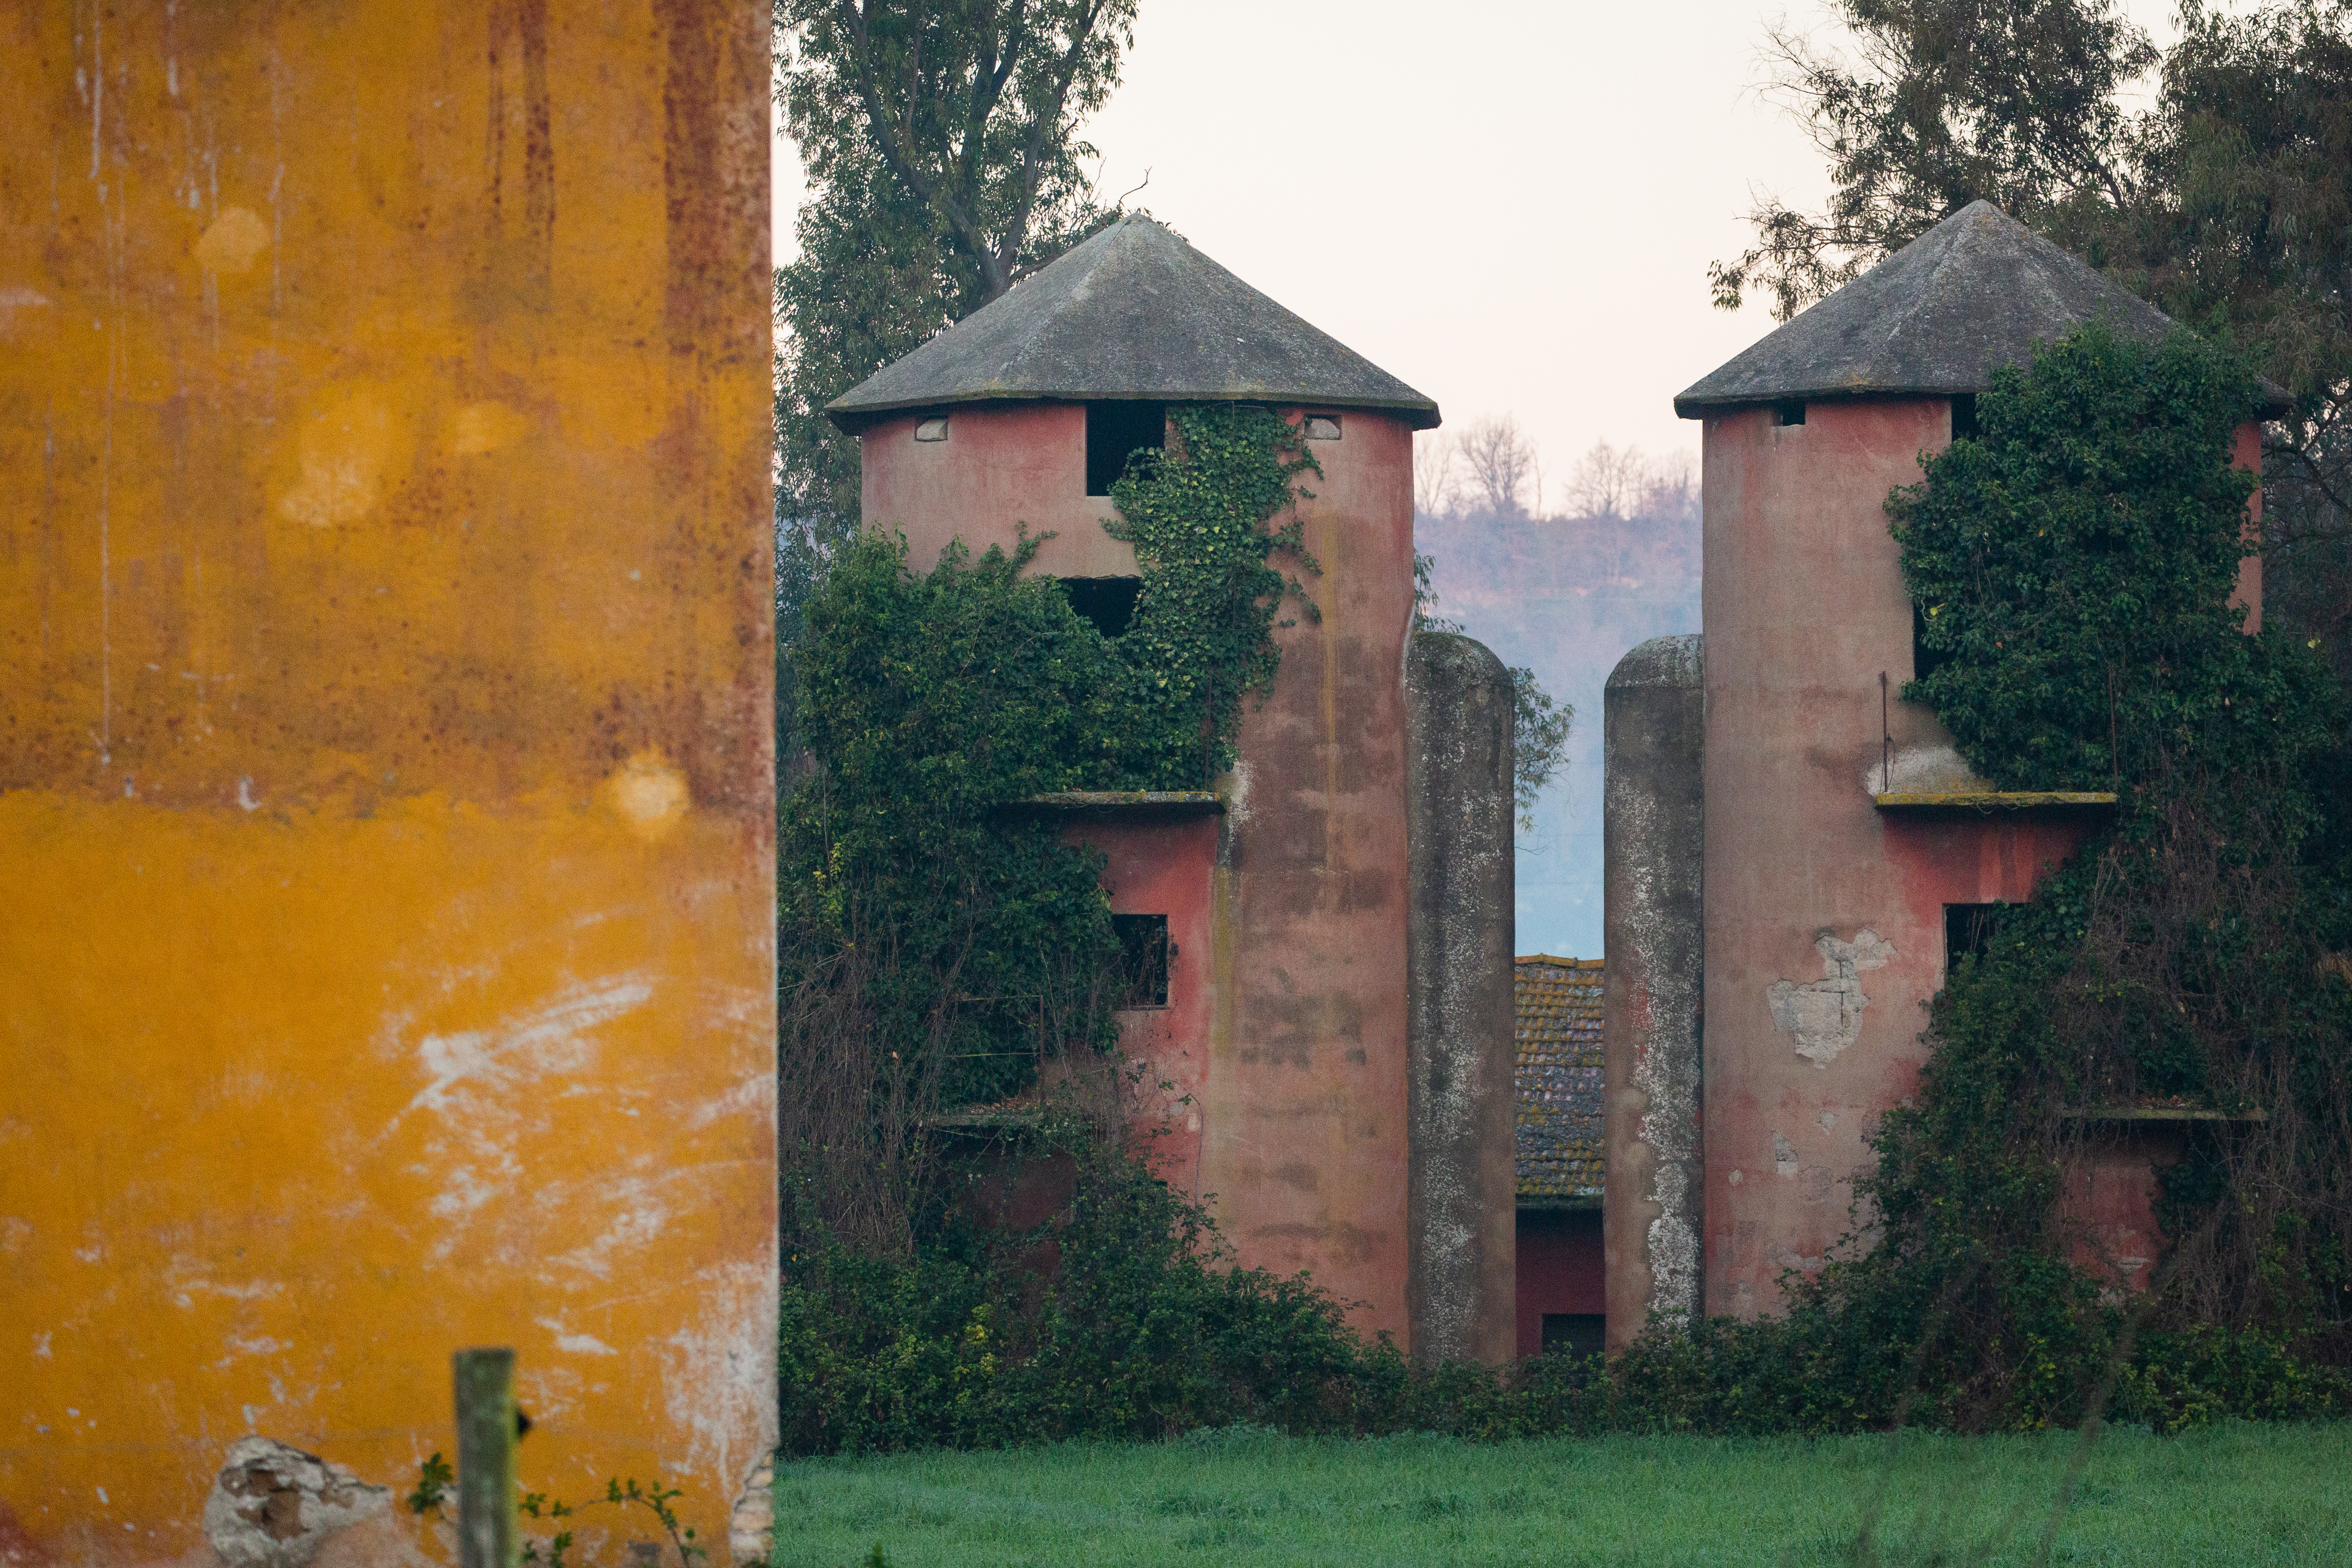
pixel 274 1505
pixel 1826 1014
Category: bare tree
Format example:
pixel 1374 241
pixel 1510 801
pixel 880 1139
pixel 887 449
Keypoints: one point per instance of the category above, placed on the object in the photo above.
pixel 1607 480
pixel 1436 475
pixel 1501 460
pixel 1670 488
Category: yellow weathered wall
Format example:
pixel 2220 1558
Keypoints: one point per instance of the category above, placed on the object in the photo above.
pixel 385 952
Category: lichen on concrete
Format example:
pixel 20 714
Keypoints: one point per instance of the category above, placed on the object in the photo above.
pixel 1826 1014
pixel 1653 822
pixel 1461 1096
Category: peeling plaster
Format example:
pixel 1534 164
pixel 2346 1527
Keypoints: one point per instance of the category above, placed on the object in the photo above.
pixel 1826 1014
pixel 1927 769
pixel 719 1370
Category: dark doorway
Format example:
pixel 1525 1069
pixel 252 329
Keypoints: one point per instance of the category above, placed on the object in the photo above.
pixel 1964 417
pixel 1108 602
pixel 1143 949
pixel 1116 432
pixel 1577 1333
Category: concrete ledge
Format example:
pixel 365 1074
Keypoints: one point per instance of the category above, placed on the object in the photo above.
pixel 1993 800
pixel 2160 1113
pixel 1124 802
pixel 1552 1201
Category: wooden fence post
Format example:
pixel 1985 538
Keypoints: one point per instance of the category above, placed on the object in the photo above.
pixel 485 1452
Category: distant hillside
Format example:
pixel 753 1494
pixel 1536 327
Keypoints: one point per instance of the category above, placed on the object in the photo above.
pixel 1567 598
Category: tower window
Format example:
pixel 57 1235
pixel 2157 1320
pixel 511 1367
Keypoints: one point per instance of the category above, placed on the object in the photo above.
pixel 1143 951
pixel 1967 930
pixel 1108 602
pixel 1322 427
pixel 935 428
pixel 1790 411
pixel 1964 416
pixel 1116 432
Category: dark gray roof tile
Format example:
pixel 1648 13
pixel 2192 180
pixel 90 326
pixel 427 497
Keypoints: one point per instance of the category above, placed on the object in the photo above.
pixel 1134 312
pixel 1938 316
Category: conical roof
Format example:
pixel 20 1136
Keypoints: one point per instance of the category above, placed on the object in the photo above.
pixel 1937 317
pixel 1134 312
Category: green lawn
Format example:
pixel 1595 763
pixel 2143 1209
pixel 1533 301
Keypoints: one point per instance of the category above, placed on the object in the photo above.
pixel 2234 1494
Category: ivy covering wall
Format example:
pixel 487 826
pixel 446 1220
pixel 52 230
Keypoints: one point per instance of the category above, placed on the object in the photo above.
pixel 936 941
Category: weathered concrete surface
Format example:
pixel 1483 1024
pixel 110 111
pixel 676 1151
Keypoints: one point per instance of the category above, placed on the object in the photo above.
pixel 384 765
pixel 1164 864
pixel 1294 1064
pixel 1001 467
pixel 1459 807
pixel 1305 1106
pixel 1652 813
pixel 1823 916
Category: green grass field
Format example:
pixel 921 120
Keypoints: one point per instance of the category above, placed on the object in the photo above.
pixel 2234 1494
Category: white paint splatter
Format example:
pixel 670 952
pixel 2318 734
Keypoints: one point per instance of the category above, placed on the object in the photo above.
pixel 527 1048
pixel 720 1375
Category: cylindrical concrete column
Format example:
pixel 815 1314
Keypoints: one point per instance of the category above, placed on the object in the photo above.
pixel 1461 1294
pixel 1652 816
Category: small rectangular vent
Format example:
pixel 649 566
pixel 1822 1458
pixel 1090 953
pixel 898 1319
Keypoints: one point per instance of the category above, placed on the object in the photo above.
pixel 1788 412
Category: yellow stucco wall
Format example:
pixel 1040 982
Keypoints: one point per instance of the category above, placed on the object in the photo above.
pixel 385 936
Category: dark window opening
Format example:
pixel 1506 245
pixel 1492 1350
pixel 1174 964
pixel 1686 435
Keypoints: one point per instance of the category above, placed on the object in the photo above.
pixel 1108 602
pixel 1924 660
pixel 1791 412
pixel 1964 416
pixel 1144 953
pixel 1577 1333
pixel 1116 432
pixel 1967 930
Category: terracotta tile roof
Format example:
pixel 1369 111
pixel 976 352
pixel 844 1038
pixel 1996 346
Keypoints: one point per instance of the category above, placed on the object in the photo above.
pixel 1560 1079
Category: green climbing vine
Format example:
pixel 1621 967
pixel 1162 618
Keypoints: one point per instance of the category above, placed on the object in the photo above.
pixel 2073 563
pixel 937 942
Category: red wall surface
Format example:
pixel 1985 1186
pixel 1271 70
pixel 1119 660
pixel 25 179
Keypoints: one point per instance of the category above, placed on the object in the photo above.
pixel 1559 1270
pixel 1164 866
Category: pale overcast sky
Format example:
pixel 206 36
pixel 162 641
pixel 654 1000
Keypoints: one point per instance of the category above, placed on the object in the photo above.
pixel 1509 204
